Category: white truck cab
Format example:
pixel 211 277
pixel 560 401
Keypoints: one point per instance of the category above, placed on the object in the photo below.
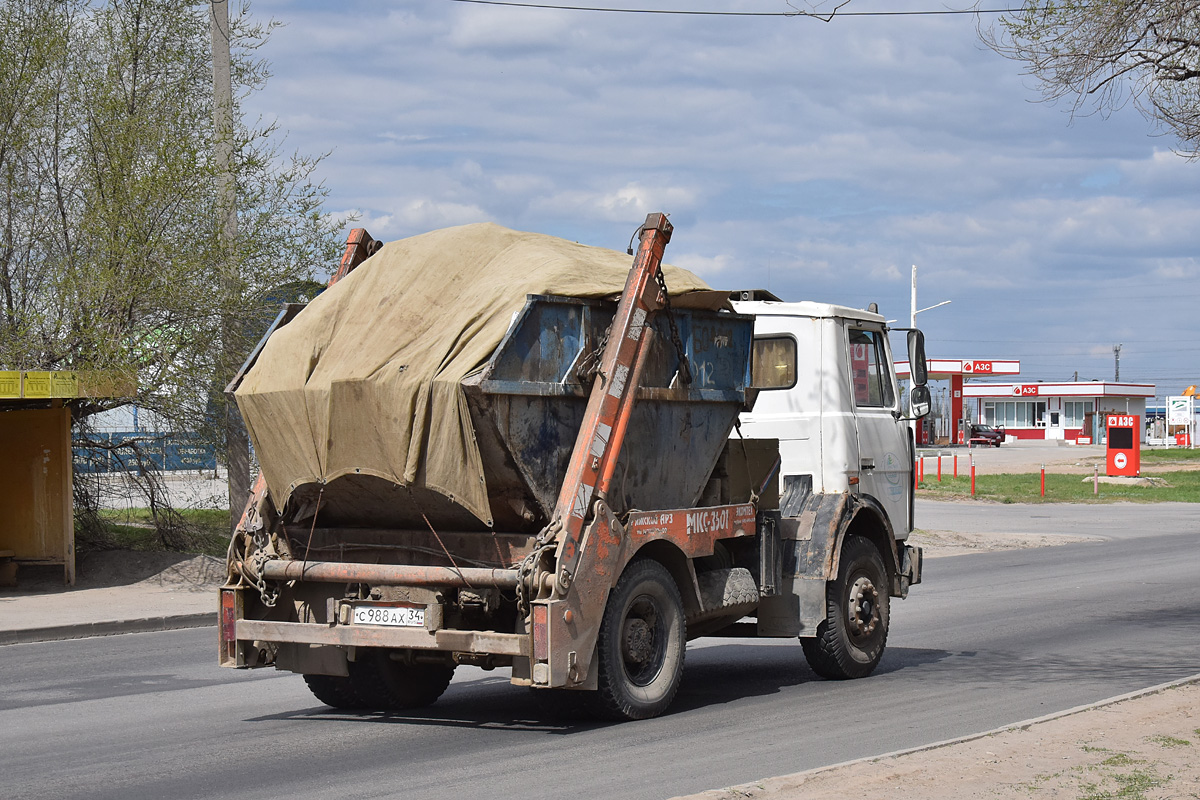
pixel 827 392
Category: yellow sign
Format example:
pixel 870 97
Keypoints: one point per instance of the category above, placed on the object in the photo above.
pixel 37 384
pixel 64 384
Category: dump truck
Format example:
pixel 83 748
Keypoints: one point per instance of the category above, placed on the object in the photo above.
pixel 470 454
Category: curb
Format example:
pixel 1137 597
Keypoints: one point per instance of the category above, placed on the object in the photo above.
pixel 744 789
pixel 87 630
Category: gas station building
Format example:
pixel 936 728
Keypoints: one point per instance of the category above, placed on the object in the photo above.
pixel 1072 411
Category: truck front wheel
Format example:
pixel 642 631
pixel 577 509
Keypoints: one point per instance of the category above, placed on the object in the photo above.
pixel 851 638
pixel 641 644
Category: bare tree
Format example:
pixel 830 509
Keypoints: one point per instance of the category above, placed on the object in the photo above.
pixel 1102 54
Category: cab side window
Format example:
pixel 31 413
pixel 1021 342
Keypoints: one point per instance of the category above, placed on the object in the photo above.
pixel 774 363
pixel 869 374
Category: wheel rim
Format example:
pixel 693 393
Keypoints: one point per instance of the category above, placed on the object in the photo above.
pixel 643 640
pixel 863 609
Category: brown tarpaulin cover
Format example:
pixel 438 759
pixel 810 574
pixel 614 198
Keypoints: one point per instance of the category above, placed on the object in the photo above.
pixel 366 379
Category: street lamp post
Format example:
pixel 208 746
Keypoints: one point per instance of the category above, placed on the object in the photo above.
pixel 912 323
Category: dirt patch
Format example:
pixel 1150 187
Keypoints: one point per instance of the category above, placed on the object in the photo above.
pixel 1116 480
pixel 936 543
pixel 111 568
pixel 1145 747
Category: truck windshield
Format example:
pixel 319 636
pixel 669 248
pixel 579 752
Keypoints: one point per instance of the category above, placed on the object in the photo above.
pixel 869 370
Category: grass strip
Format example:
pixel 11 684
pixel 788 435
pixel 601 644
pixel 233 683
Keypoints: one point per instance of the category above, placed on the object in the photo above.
pixel 133 529
pixel 1182 486
pixel 1174 455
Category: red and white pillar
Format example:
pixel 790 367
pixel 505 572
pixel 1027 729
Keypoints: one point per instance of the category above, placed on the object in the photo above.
pixel 956 408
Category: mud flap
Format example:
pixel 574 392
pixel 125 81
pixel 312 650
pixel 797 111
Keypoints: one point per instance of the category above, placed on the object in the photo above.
pixel 909 574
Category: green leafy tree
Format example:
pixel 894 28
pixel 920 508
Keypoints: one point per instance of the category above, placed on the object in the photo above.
pixel 111 254
pixel 1102 54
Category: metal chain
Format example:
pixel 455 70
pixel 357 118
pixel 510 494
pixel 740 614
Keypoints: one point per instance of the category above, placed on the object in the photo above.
pixel 268 594
pixel 589 365
pixel 685 369
pixel 528 565
pixel 547 539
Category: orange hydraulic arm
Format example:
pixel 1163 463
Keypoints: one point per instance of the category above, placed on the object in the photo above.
pixel 359 247
pixel 598 445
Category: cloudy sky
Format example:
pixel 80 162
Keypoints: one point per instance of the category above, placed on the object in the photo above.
pixel 819 160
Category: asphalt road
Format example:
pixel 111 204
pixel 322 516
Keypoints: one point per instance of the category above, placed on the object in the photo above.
pixel 988 639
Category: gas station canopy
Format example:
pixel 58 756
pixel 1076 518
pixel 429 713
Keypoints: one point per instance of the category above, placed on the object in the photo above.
pixel 941 369
pixel 956 370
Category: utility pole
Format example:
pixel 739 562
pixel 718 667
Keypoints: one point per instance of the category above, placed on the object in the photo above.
pixel 1117 363
pixel 237 444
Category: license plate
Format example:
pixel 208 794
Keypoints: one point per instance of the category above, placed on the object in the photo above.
pixel 400 616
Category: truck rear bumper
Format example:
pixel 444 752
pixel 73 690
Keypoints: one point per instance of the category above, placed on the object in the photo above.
pixel 482 642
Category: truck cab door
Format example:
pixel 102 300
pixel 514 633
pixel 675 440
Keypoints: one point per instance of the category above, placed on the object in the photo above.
pixel 885 468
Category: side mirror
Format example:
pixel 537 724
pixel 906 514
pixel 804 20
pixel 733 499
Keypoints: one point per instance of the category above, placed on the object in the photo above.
pixel 918 370
pixel 919 401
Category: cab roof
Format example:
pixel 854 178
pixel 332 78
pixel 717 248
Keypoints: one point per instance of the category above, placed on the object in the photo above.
pixel 767 308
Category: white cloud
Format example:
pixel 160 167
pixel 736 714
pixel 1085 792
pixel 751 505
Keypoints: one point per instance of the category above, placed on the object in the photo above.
pixel 705 266
pixel 886 272
pixel 1178 269
pixel 633 201
pixel 480 27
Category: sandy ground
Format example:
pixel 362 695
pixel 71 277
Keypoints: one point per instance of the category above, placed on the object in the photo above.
pixel 1144 747
pixel 935 544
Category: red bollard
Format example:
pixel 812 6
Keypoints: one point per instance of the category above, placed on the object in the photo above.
pixel 972 477
pixel 939 467
pixel 922 469
pixel 1043 480
pixel 956 465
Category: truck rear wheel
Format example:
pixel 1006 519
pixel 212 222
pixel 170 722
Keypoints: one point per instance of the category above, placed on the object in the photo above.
pixel 850 640
pixel 641 644
pixel 333 691
pixel 388 685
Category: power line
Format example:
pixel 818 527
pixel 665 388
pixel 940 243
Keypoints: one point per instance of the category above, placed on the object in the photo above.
pixel 695 13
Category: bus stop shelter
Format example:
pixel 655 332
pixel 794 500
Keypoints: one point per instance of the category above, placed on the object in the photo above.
pixel 36 471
